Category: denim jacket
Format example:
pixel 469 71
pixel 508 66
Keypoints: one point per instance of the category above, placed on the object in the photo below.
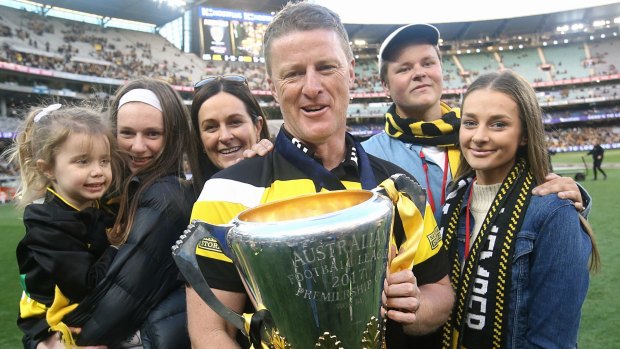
pixel 550 275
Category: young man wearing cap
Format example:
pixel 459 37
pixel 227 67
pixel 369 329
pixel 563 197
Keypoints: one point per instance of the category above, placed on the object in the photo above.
pixel 421 131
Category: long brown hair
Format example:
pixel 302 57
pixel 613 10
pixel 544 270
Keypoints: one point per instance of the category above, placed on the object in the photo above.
pixel 168 162
pixel 202 167
pixel 535 150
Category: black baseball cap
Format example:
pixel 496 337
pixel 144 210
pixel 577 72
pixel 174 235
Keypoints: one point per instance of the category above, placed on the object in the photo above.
pixel 416 32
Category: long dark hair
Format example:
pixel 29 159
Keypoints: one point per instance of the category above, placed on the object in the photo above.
pixel 202 167
pixel 169 162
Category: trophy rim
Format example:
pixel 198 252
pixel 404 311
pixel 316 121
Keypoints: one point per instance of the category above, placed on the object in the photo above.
pixel 244 216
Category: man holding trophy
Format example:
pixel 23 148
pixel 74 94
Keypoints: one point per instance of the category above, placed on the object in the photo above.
pixel 310 67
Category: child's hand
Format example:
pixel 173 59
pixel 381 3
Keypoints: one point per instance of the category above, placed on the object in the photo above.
pixel 52 342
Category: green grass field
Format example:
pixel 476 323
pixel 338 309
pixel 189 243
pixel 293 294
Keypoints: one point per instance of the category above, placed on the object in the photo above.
pixel 612 158
pixel 601 312
pixel 11 230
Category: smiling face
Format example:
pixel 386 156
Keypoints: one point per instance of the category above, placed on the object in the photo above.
pixel 491 132
pixel 414 81
pixel 226 129
pixel 310 78
pixel 140 132
pixel 82 171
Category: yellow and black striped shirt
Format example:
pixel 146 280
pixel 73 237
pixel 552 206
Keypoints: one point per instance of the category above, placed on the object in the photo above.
pixel 265 179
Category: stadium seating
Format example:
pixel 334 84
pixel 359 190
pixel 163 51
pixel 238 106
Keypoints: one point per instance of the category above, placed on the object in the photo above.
pixel 527 62
pixel 478 64
pixel 88 49
pixel 452 78
pixel 605 57
pixel 54 44
pixel 566 61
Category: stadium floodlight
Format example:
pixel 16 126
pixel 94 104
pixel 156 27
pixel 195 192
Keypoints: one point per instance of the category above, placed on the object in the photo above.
pixel 562 28
pixel 599 23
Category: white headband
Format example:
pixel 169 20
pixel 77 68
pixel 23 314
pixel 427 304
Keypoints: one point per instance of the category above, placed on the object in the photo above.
pixel 140 95
pixel 46 111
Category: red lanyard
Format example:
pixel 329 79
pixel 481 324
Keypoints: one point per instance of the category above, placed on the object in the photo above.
pixel 467 223
pixel 431 200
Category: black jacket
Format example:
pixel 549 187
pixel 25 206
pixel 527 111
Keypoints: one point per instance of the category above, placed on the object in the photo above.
pixel 62 247
pixel 143 273
pixel 597 153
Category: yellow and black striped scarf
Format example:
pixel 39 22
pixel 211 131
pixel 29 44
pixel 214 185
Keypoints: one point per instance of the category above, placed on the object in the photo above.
pixel 442 132
pixel 482 287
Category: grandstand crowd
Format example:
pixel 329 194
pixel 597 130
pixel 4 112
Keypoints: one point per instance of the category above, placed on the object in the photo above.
pixel 32 40
pixel 51 43
pixel 573 138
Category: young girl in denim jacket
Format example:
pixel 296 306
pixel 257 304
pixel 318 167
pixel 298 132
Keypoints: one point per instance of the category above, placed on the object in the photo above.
pixel 520 263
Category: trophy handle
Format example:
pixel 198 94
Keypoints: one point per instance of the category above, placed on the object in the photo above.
pixel 184 255
pixel 409 187
pixel 404 191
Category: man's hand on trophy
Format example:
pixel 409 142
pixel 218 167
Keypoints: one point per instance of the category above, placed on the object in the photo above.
pixel 401 297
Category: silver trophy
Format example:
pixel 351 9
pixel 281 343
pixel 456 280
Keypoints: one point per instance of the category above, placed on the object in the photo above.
pixel 313 266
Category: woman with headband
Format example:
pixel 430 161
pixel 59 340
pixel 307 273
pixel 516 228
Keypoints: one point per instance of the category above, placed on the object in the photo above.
pixel 140 303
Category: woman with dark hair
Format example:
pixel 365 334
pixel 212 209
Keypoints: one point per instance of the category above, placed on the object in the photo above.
pixel 141 296
pixel 226 121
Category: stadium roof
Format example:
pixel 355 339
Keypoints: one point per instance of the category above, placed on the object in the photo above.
pixel 147 11
pixel 497 28
pixel 155 12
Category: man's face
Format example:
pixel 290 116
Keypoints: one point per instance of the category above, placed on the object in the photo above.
pixel 415 81
pixel 310 78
